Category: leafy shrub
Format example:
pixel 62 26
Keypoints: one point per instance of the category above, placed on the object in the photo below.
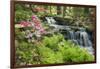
pixel 48 56
pixel 53 41
pixel 19 35
pixel 25 53
pixel 75 54
pixel 22 13
pixel 56 45
pixel 52 49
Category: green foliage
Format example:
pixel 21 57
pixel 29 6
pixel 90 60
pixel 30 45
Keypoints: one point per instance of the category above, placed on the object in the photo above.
pixel 75 54
pixel 19 35
pixel 52 49
pixel 22 13
pixel 53 41
pixel 48 56
pixel 25 53
pixel 55 46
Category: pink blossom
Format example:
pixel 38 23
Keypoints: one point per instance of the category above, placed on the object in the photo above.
pixel 38 25
pixel 33 17
pixel 42 30
pixel 25 24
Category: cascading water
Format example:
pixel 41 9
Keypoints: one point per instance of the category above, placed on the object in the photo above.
pixel 79 37
pixel 85 41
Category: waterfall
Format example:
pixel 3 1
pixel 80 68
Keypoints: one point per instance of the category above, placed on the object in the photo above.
pixel 71 34
pixel 50 20
pixel 79 37
pixel 84 39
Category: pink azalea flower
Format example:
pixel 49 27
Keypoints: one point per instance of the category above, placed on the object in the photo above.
pixel 42 30
pixel 25 24
pixel 38 25
pixel 33 17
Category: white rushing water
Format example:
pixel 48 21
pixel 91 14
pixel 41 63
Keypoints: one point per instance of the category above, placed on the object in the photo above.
pixel 80 37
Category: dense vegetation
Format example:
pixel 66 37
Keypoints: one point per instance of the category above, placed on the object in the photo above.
pixel 50 50
pixel 53 47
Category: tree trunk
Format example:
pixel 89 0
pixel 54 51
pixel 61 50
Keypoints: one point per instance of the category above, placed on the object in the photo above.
pixel 64 11
pixel 50 10
pixel 59 10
